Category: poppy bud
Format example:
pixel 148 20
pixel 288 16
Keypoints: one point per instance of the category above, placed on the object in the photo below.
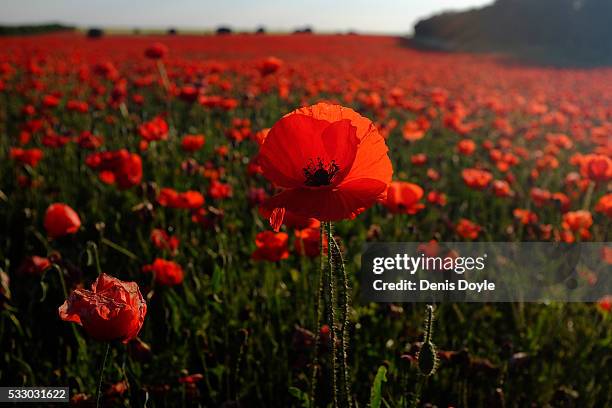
pixel 428 359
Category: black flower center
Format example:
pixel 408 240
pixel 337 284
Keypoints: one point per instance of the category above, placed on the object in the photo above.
pixel 318 174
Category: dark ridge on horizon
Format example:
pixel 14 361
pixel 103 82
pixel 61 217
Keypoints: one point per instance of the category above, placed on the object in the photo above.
pixel 553 32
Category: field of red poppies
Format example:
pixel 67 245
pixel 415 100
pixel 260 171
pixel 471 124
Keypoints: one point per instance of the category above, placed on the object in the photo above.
pixel 163 206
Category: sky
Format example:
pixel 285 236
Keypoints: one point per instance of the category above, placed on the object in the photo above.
pixel 375 16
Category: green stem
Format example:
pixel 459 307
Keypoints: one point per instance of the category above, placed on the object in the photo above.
pixel 345 324
pixel 102 376
pixel 334 302
pixel 319 319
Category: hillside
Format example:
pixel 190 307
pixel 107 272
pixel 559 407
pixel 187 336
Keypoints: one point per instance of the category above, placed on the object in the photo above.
pixel 562 32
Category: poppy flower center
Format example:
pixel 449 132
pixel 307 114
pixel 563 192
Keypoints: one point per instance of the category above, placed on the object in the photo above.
pixel 318 174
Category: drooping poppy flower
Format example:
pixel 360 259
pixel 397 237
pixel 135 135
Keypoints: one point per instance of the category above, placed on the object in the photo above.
pixel 61 220
pixel 166 273
pixel 475 178
pixel 467 229
pixel 111 310
pixel 331 162
pixel 403 198
pixel 271 246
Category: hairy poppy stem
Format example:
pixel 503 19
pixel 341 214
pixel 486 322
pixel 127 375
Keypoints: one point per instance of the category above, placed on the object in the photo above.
pixel 102 375
pixel 345 325
pixel 319 319
pixel 334 301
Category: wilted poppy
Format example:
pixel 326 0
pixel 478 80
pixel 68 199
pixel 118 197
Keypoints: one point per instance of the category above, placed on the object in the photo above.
pixel 331 162
pixel 111 310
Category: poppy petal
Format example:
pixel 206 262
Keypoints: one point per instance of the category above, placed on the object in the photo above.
pixel 340 142
pixel 291 142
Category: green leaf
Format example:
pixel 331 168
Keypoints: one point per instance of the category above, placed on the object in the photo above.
pixel 376 391
pixel 300 395
pixel 217 278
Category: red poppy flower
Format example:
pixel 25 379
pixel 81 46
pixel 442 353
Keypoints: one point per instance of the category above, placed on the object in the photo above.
pixel 166 273
pixel 403 197
pixel 120 167
pixel 31 157
pixel 162 240
pixel 156 51
pixel 501 188
pixel 605 303
pixel 218 190
pixel 596 167
pixel 467 229
pixel 271 246
pixel 188 200
pixel 269 66
pixel 155 129
pixel 192 143
pixel 111 310
pixel 540 196
pixel 604 205
pixel 579 222
pixel 435 197
pixel 475 178
pixel 191 379
pixel 308 242
pixel 34 265
pixel 61 220
pixel 524 216
pixel 331 162
pixel 466 146
pixel 416 129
